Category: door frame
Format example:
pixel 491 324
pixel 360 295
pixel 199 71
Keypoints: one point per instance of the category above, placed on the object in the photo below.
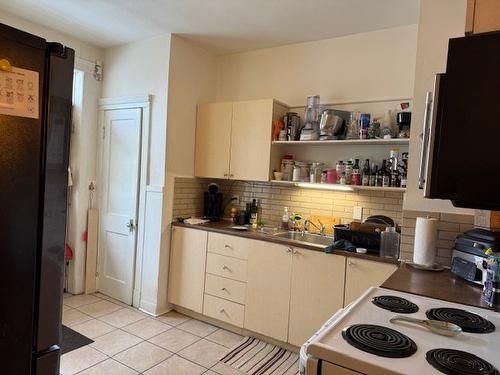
pixel 129 102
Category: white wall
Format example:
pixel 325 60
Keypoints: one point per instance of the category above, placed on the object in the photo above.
pixel 192 77
pixel 141 68
pixel 82 50
pixel 439 21
pixel 359 67
pixel 83 162
pixel 83 140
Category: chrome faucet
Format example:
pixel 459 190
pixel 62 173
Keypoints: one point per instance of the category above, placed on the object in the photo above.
pixel 307 222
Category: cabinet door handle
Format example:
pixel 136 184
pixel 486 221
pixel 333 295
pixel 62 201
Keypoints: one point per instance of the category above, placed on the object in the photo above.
pixel 226 268
pixel 289 250
pixel 222 311
pixel 225 290
pixel 351 263
pixel 295 251
pixel 225 174
pixel 231 175
pixel 228 246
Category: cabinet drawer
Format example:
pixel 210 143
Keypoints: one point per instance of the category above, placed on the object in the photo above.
pixel 236 247
pixel 224 310
pixel 232 268
pixel 225 288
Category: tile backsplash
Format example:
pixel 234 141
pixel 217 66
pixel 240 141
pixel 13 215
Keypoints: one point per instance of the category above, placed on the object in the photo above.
pixel 449 226
pixel 188 201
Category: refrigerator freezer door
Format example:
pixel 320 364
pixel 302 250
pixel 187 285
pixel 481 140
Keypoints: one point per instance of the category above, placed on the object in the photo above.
pixel 48 362
pixel 20 190
pixel 58 125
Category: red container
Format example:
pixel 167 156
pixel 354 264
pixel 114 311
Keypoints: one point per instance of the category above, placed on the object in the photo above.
pixel 331 176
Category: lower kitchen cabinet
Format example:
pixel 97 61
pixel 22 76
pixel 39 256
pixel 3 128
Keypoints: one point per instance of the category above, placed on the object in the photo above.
pixel 187 268
pixel 362 274
pixel 268 289
pixel 317 292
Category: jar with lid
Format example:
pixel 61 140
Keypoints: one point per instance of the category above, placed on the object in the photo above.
pixel 340 169
pixel 315 172
pixel 304 168
pixel 389 243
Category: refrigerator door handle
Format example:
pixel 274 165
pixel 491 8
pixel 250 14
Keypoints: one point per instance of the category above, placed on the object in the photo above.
pixel 428 136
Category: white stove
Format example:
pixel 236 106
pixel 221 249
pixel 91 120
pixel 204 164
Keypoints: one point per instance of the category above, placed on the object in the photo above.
pixel 330 352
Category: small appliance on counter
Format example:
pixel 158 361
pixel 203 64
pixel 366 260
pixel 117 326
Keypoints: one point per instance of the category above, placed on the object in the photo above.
pixel 469 259
pixel 212 203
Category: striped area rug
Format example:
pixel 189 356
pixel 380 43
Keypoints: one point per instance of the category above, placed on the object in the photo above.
pixel 255 357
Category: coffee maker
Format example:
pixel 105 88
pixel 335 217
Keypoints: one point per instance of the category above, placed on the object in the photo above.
pixel 212 204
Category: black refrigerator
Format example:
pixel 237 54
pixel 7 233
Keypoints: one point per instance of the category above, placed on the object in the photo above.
pixel 36 84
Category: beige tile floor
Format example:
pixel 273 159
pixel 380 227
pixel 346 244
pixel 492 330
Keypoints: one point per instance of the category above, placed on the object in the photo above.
pixel 129 342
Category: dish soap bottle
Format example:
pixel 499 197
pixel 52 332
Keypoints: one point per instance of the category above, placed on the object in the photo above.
pixel 254 214
pixel 285 219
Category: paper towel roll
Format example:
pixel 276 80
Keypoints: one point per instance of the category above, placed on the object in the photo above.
pixel 424 251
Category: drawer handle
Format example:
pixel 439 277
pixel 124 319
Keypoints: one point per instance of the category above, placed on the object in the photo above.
pixel 225 290
pixel 226 268
pixel 228 246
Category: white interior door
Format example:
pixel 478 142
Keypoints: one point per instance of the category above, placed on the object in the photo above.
pixel 120 165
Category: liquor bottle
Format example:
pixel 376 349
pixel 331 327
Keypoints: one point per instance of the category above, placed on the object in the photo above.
pixel 379 177
pixel 386 174
pixel 373 175
pixel 348 173
pixel 404 179
pixel 356 173
pixel 365 181
pixel 395 178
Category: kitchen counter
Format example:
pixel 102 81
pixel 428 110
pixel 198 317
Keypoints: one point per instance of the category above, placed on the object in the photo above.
pixel 224 227
pixel 441 285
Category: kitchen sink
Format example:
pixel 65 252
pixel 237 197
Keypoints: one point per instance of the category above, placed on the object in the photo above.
pixel 307 238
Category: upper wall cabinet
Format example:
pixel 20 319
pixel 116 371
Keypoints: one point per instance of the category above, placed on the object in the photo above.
pixel 233 140
pixel 482 16
pixel 213 140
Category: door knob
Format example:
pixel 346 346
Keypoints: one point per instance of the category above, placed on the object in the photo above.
pixel 131 225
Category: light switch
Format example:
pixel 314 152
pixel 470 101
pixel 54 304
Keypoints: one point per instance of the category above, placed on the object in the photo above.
pixel 357 213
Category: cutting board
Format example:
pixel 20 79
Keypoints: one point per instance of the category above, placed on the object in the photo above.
pixel 327 221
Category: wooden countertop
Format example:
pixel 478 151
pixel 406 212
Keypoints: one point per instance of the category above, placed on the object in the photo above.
pixel 224 227
pixel 441 285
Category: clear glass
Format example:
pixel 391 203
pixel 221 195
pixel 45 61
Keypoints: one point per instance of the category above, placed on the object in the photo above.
pixel 389 243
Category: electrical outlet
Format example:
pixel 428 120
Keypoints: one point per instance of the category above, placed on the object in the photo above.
pixel 235 199
pixel 357 213
pixel 482 218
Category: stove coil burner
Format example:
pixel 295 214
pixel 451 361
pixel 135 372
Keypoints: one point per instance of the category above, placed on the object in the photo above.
pixel 378 340
pixel 456 362
pixel 395 304
pixel 469 322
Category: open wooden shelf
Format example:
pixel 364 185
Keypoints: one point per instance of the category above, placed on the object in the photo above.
pixel 382 142
pixel 337 187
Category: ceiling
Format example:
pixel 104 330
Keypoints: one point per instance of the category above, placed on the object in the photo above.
pixel 224 26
